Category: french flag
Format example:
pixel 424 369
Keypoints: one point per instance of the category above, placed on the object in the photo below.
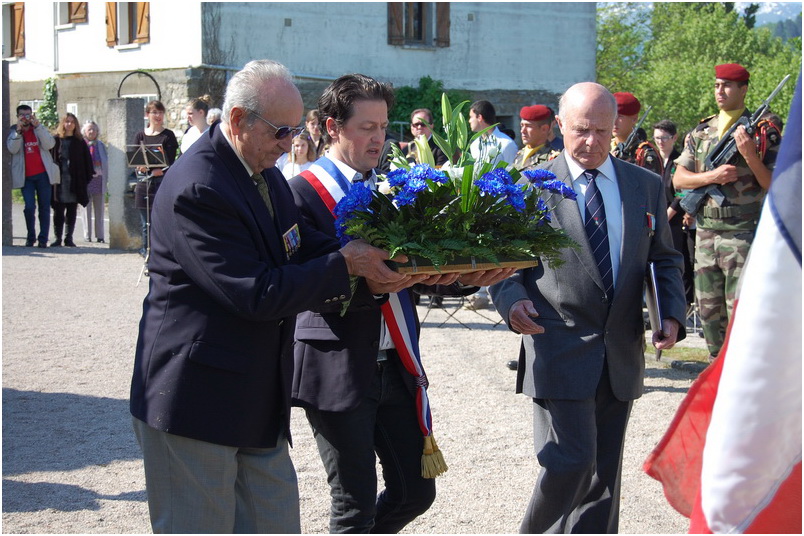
pixel 731 459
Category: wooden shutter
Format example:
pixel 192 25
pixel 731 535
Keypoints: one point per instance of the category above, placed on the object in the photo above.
pixel 19 29
pixel 396 34
pixel 143 23
pixel 442 24
pixel 111 24
pixel 77 12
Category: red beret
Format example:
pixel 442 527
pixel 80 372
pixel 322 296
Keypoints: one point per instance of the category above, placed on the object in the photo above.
pixel 537 112
pixel 732 71
pixel 627 104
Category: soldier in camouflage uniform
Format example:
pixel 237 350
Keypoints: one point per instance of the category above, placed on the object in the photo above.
pixel 534 127
pixel 641 152
pixel 725 232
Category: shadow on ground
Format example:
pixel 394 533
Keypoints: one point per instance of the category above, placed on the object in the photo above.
pixel 38 496
pixel 63 432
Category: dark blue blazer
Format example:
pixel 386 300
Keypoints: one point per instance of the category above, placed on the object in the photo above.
pixel 213 359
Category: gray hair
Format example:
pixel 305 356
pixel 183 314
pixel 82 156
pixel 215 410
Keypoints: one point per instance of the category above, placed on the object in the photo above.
pixel 214 114
pixel 564 101
pixel 90 123
pixel 246 86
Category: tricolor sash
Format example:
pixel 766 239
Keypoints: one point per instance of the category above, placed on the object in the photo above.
pixel 398 313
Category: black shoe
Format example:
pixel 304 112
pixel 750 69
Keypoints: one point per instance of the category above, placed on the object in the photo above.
pixel 87 239
pixel 29 243
pixel 56 243
pixel 101 241
pixel 436 301
pixel 68 242
pixel 42 244
pixel 513 365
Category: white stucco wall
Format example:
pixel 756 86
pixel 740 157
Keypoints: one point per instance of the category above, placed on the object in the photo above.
pixel 507 45
pixel 81 48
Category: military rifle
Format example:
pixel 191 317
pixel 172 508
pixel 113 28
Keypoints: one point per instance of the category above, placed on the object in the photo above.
pixel 625 148
pixel 724 153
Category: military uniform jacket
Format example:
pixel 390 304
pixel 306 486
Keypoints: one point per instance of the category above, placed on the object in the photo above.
pixel 643 155
pixel 745 192
pixel 541 156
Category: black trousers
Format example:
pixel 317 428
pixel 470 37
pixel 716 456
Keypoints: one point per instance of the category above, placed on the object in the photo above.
pixel 64 212
pixel 579 444
pixel 384 425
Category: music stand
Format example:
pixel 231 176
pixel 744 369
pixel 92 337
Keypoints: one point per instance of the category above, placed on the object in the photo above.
pixel 150 156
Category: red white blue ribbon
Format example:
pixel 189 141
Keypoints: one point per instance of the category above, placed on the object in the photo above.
pixel 330 184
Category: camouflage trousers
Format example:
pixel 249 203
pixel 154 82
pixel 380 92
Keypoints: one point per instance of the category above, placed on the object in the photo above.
pixel 719 260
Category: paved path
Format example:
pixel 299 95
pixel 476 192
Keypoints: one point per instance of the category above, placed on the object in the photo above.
pixel 71 463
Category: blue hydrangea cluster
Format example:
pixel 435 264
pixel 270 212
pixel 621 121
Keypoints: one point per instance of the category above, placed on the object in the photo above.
pixel 499 182
pixel 411 182
pixel 357 198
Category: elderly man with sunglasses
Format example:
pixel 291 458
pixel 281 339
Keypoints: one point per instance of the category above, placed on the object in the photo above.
pixel 231 265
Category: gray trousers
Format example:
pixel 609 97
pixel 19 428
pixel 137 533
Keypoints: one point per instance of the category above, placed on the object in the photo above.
pixel 199 487
pixel 579 444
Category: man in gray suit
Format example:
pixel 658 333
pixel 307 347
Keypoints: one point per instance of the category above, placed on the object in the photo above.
pixel 582 354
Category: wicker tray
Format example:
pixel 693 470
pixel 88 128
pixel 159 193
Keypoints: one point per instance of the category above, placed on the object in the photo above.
pixel 417 265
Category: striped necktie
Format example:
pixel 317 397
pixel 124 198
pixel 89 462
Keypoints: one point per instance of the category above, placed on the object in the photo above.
pixel 265 193
pixel 597 231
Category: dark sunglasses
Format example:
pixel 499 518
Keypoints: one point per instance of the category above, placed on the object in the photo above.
pixel 280 132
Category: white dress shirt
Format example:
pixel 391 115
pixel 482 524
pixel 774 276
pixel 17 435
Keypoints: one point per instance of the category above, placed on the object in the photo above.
pixel 490 143
pixel 609 189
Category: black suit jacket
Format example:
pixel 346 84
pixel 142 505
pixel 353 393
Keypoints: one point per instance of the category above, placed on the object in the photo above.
pixel 335 356
pixel 213 358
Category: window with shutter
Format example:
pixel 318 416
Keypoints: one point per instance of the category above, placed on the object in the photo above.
pixel 419 24
pixel 111 24
pixel 442 24
pixel 77 12
pixel 18 21
pixel 143 18
pixel 396 35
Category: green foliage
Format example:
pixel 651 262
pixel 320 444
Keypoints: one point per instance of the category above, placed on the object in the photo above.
pixel 426 95
pixel 665 55
pixel 48 114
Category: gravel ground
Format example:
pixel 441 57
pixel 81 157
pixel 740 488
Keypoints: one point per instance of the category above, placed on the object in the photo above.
pixel 71 463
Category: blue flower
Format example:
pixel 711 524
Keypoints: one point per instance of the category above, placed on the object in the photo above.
pixel 515 197
pixel 494 182
pixel 356 199
pixel 398 177
pixel 559 187
pixel 425 172
pixel 538 176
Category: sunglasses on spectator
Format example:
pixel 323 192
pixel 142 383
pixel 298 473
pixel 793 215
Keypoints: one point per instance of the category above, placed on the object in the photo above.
pixel 280 132
pixel 662 138
pixel 418 125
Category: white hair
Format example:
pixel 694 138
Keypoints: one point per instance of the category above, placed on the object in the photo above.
pixel 245 87
pixel 88 124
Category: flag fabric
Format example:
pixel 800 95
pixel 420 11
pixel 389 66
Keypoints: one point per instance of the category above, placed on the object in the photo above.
pixel 731 459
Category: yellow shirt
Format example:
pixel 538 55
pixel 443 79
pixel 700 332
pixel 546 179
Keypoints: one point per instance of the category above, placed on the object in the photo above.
pixel 530 151
pixel 726 119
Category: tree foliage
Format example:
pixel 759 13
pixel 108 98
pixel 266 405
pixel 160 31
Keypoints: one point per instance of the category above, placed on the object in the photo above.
pixel 426 95
pixel 665 54
pixel 48 113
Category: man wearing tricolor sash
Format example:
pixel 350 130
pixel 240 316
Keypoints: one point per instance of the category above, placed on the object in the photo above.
pixel 359 375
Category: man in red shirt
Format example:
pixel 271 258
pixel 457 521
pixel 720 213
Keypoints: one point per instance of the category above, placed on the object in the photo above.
pixel 33 171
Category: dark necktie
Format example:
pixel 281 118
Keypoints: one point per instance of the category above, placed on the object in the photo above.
pixel 597 231
pixel 265 193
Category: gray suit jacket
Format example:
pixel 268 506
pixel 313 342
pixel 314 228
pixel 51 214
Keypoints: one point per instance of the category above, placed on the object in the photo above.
pixel 581 327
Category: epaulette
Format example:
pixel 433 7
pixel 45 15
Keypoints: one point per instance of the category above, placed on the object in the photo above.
pixel 706 119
